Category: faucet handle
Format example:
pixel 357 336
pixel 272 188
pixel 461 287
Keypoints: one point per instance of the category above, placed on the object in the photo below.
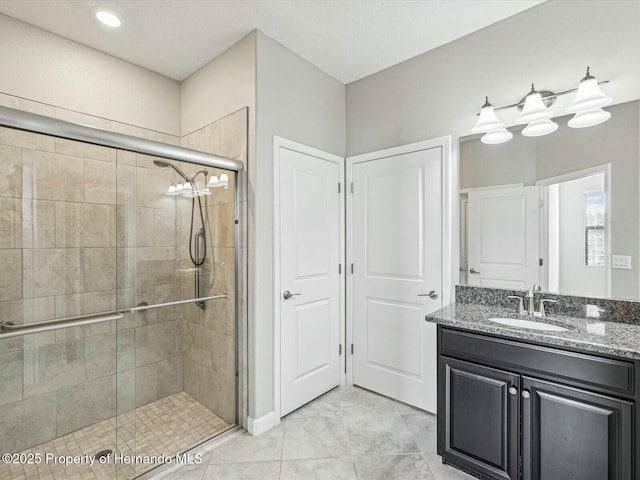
pixel 520 307
pixel 541 309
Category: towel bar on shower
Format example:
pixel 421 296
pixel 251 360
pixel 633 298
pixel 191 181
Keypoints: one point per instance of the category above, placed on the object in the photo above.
pixel 8 329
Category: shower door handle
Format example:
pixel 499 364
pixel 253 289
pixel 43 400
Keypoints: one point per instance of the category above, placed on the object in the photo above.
pixel 287 294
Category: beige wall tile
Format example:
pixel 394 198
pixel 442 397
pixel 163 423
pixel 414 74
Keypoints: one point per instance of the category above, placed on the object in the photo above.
pixel 125 157
pixel 155 227
pixel 125 349
pixel 126 399
pixel 197 343
pixel 81 304
pixel 29 140
pixel 222 351
pixel 48 176
pixel 169 377
pixel 85 404
pixel 82 225
pixel 99 269
pixel 225 269
pixel 100 355
pixel 11 278
pixel 99 182
pixel 223 225
pixel 157 342
pixel 210 389
pixel 26 105
pixel 27 423
pixel 126 183
pixel 51 367
pixel 10 223
pixel 49 272
pixel 125 267
pixel 10 377
pixel 154 294
pixel 85 150
pixel 10 171
pixel 39 224
pixel 146 378
pixel 152 184
pixel 220 314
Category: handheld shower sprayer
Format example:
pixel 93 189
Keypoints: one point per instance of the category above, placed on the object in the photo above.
pixel 197 242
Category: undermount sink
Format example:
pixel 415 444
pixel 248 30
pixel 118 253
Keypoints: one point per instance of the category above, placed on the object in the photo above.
pixel 528 324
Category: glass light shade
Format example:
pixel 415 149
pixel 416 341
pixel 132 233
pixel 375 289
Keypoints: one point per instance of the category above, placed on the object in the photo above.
pixel 224 178
pixel 588 97
pixel 539 128
pixel 487 121
pixel 178 188
pixel 494 137
pixel 203 192
pixel 589 118
pixel 172 190
pixel 186 187
pixel 534 109
pixel 213 181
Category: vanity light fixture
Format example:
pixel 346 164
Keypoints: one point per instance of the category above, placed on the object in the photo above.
pixel 536 113
pixel 222 182
pixel 107 18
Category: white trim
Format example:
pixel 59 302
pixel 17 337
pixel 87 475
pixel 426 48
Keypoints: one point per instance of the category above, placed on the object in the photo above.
pixel 257 426
pixel 450 221
pixel 278 143
pixel 491 187
pixel 567 177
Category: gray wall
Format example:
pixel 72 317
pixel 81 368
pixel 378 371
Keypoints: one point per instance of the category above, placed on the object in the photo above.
pixel 297 101
pixel 569 150
pixel 438 93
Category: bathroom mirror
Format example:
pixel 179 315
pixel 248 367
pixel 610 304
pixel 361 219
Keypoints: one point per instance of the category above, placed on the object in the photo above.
pixel 561 210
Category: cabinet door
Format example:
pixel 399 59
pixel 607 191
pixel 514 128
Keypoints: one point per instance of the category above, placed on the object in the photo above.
pixel 480 408
pixel 572 434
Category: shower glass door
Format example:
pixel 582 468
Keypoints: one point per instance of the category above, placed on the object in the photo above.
pixel 123 369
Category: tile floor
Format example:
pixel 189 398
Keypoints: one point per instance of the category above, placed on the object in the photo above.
pixel 347 434
pixel 170 425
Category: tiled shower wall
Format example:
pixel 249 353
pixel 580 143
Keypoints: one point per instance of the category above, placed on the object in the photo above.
pixel 209 336
pixel 64 208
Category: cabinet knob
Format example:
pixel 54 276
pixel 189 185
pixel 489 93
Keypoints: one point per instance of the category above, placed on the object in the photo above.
pixel 513 390
pixel 526 394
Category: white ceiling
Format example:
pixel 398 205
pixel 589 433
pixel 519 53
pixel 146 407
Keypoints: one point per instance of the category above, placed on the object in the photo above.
pixel 347 39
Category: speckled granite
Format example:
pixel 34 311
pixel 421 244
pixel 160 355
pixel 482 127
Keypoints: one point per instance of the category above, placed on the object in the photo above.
pixel 582 307
pixel 591 335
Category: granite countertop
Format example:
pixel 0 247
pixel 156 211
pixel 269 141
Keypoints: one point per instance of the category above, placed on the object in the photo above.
pixel 587 334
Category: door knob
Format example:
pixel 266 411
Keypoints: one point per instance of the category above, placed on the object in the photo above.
pixel 526 394
pixel 287 294
pixel 433 294
pixel 474 271
pixel 513 390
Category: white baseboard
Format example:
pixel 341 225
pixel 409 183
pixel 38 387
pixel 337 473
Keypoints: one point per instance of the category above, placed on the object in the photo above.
pixel 257 426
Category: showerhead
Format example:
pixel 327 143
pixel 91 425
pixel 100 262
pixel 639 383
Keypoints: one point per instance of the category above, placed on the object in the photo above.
pixel 163 164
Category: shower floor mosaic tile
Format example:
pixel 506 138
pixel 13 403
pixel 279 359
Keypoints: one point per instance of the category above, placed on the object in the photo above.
pixel 167 426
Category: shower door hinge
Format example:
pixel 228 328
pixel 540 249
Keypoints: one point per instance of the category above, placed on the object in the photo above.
pixel 352 349
pixel 340 349
pixel 351 187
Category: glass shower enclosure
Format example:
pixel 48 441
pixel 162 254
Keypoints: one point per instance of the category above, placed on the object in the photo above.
pixel 118 336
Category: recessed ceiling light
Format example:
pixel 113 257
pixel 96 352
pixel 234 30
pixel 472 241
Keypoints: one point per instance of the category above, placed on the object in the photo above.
pixel 107 18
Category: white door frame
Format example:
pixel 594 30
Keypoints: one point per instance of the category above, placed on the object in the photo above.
pixel 278 143
pixel 450 223
pixel 544 226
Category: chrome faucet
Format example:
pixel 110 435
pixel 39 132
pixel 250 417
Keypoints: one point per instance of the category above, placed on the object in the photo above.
pixel 531 310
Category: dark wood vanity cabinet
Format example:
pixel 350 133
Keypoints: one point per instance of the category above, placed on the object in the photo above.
pixel 504 412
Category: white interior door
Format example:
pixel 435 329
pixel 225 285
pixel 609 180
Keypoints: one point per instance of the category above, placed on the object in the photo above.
pixel 397 260
pixel 504 237
pixel 310 242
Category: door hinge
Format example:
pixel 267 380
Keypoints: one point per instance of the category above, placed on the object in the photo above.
pixel 540 262
pixel 339 187
pixel 352 349
pixel 352 268
pixel 340 349
pixel 541 203
pixel 351 187
pixel 339 269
